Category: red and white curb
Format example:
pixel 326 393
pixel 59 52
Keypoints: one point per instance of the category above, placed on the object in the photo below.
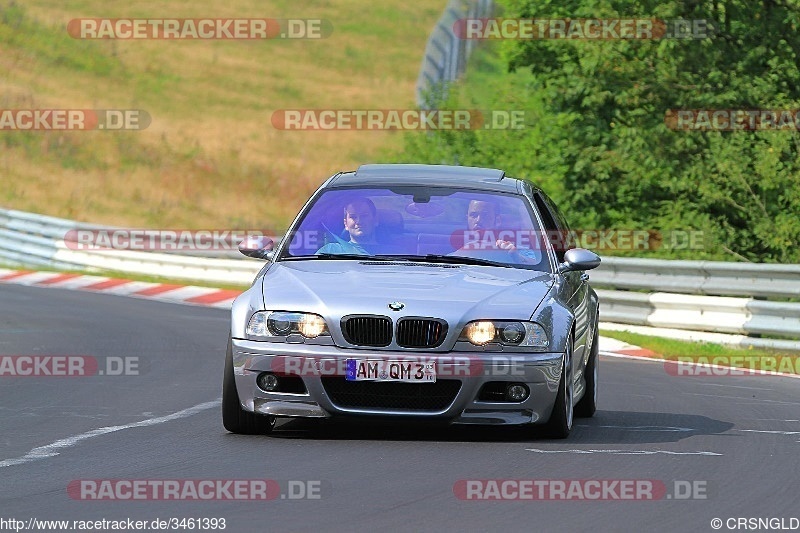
pixel 205 296
pixel 615 347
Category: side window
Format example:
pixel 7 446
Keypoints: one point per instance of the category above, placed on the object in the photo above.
pixel 561 239
pixel 550 226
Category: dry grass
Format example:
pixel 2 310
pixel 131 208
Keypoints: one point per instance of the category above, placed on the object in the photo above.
pixel 211 157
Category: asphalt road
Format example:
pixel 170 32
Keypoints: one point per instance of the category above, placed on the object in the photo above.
pixel 734 439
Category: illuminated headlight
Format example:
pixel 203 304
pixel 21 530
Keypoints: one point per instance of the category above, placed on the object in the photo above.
pixel 480 332
pixel 311 326
pixel 507 333
pixel 281 324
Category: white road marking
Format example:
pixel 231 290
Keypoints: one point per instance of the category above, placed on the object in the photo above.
pixel 639 428
pixel 734 386
pixel 772 420
pixel 622 452
pixel 775 432
pixel 52 449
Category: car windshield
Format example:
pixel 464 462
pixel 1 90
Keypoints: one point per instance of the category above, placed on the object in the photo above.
pixel 419 224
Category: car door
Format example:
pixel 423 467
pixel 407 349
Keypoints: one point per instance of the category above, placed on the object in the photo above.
pixel 576 283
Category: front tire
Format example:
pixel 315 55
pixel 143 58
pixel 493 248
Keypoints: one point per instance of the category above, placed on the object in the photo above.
pixel 234 418
pixel 588 404
pixel 560 423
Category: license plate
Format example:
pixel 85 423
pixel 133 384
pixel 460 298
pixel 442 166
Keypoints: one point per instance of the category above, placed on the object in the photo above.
pixel 382 370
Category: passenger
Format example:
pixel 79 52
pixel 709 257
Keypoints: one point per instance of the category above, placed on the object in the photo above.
pixel 482 221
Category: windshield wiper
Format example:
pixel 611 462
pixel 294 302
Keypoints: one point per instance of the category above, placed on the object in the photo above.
pixel 431 258
pixel 361 257
pixel 451 259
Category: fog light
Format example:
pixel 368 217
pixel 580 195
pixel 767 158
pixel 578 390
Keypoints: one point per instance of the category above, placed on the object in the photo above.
pixel 516 392
pixel 267 382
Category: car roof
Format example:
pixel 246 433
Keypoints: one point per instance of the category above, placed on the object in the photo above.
pixel 428 175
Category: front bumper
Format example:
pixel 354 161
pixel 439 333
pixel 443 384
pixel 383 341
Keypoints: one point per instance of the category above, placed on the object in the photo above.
pixel 313 364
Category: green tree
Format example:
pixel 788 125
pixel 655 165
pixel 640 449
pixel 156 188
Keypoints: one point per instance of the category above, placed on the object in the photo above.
pixel 599 143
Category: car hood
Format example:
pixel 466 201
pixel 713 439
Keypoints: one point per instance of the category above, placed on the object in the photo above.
pixel 457 293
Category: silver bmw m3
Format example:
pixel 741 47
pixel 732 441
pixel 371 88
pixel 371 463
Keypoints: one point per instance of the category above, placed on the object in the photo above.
pixel 423 292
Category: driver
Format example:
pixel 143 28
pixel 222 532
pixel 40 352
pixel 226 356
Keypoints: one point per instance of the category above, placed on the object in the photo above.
pixel 360 219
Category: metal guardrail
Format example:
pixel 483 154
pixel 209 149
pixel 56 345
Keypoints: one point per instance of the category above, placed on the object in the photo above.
pixel 688 295
pixel 703 296
pixel 28 239
pixel 743 316
pixel 711 278
pixel 446 54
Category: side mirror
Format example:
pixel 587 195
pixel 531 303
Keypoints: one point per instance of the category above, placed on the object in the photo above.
pixel 579 259
pixel 257 247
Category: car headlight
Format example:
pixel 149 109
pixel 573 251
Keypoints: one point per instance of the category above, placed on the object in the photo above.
pixel 281 324
pixel 480 332
pixel 311 326
pixel 505 332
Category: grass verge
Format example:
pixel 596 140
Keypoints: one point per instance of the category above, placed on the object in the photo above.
pixel 709 353
pixel 211 158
